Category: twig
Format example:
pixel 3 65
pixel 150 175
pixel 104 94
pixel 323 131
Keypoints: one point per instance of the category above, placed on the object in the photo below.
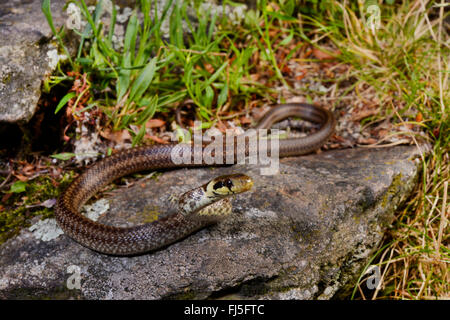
pixel 443 221
pixel 6 180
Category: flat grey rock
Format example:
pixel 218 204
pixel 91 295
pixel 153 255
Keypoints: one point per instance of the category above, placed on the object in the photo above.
pixel 305 233
pixel 23 56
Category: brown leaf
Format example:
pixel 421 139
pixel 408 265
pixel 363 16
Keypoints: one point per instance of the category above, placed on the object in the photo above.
pixel 245 120
pixel 436 132
pixel 20 177
pixel 156 139
pixel 116 136
pixel 367 140
pixel 208 67
pixel 338 138
pixel 364 114
pixel 221 126
pixel 286 69
pixel 28 169
pixel 322 55
pixel 300 76
pixel 154 123
pixel 6 197
pixel 382 133
pixel 254 77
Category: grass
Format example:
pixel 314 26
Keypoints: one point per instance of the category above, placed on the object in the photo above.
pixel 154 72
pixel 401 67
pixel 406 62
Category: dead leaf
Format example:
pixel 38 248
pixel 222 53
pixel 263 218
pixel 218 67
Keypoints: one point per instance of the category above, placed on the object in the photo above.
pixel 254 77
pixel 208 67
pixel 156 139
pixel 245 120
pixel 155 123
pixel 363 114
pixel 6 197
pixel 20 177
pixel 301 75
pixel 116 136
pixel 322 55
pixel 338 138
pixel 382 133
pixel 222 127
pixel 367 141
pixel 47 203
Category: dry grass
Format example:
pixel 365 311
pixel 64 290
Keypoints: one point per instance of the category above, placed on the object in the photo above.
pixel 406 60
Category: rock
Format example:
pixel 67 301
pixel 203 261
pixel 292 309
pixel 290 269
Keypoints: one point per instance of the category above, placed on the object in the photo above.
pixel 24 59
pixel 304 233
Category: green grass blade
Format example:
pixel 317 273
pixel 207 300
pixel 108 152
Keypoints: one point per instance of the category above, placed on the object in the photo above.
pixel 64 100
pixel 112 22
pixel 131 35
pixel 123 82
pixel 216 74
pixel 45 7
pixel 223 96
pixel 145 77
pixel 139 136
pixel 149 111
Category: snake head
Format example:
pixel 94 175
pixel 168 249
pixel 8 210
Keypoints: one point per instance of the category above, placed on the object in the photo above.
pixel 208 202
pixel 228 185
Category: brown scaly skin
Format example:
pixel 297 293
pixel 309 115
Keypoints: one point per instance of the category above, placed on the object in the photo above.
pixel 154 235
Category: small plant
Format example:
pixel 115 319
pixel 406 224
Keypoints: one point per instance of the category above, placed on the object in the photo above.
pixel 150 71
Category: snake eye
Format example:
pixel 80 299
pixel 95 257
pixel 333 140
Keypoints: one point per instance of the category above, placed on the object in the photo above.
pixel 223 183
pixel 218 185
pixel 229 183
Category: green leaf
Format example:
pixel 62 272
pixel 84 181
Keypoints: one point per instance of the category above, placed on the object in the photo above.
pixel 176 26
pixel 84 61
pixel 209 97
pixel 287 39
pixel 131 34
pixel 216 74
pixel 149 110
pixel 18 187
pixel 123 82
pixel 139 136
pixel 281 17
pixel 63 156
pixel 141 84
pixel 223 96
pixel 171 98
pixel 45 7
pixel 112 23
pixel 64 100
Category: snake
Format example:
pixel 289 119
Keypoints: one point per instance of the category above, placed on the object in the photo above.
pixel 197 208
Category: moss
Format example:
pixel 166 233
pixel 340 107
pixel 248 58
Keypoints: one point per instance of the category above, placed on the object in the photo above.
pixel 20 208
pixel 188 294
pixel 150 213
pixel 393 189
pixel 6 79
pixel 58 293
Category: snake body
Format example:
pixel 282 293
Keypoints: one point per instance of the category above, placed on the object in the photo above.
pixel 194 206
